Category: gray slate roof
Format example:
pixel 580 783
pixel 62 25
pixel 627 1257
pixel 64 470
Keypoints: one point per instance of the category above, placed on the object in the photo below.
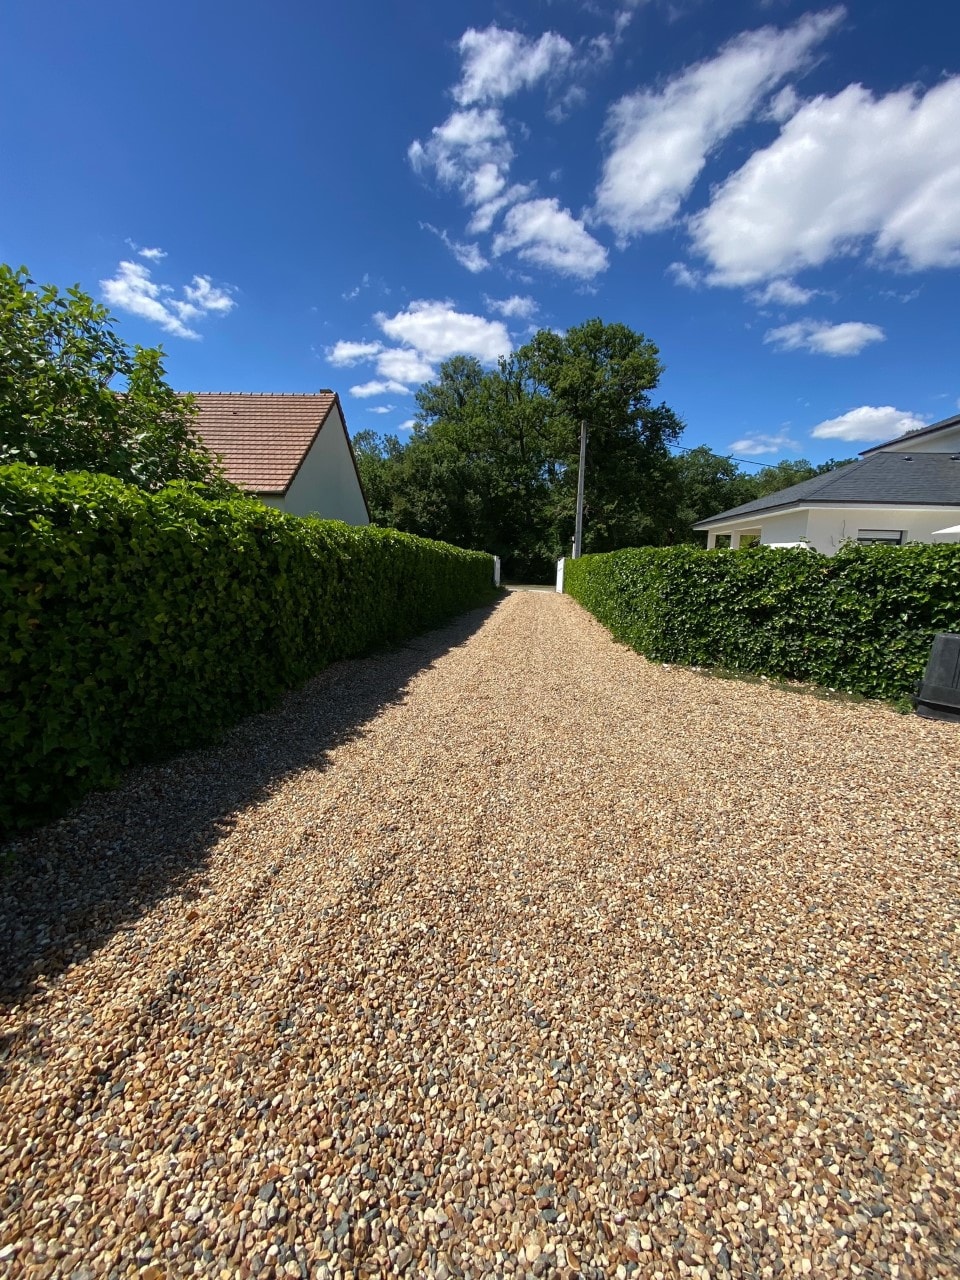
pixel 904 479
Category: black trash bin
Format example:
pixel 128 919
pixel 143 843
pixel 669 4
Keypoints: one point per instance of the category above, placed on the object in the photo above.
pixel 938 696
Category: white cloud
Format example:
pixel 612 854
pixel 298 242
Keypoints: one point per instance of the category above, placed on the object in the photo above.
pixel 543 233
pixel 152 255
pixel 134 290
pixel 470 151
pixel 367 389
pixel 660 141
pixel 868 423
pixel 437 331
pixel 498 63
pixel 483 217
pixel 408 425
pixel 783 293
pixel 354 292
pixel 681 274
pixel 784 104
pixel 202 295
pixel 404 365
pixel 821 338
pixel 757 444
pixel 347 353
pixel 468 255
pixel 515 308
pixel 381 408
pixel 846 173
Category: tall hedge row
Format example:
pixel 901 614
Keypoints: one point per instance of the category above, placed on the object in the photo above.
pixel 862 620
pixel 137 624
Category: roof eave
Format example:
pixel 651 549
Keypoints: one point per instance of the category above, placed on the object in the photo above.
pixel 943 425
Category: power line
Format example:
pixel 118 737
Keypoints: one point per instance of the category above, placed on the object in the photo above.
pixel 724 457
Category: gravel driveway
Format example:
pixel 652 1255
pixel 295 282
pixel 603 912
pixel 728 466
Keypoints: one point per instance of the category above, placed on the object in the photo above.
pixel 504 954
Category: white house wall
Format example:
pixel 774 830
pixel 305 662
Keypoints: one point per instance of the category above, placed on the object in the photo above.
pixel 945 441
pixel 825 528
pixel 828 527
pixel 326 484
pixel 791 526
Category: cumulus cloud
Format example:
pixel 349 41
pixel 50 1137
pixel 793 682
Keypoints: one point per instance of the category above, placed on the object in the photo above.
pixel 427 332
pixel 515 308
pixel 759 443
pixel 347 353
pixel 152 255
pixel 542 232
pixel 498 63
pixel 868 423
pixel 408 425
pixel 846 174
pixel 472 153
pixel 375 388
pixel 201 296
pixel 824 339
pixel 681 274
pixel 783 293
pixel 469 151
pixel 436 330
pixel 403 365
pixel 784 104
pixel 483 217
pixel 381 408
pixel 134 290
pixel 468 255
pixel 659 141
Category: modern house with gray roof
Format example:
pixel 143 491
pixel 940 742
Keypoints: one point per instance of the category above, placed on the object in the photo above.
pixel 906 490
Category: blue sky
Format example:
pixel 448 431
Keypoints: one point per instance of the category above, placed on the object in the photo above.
pixel 291 196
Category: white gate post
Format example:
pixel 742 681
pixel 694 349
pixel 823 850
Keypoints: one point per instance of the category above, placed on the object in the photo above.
pixel 560 564
pixel 496 571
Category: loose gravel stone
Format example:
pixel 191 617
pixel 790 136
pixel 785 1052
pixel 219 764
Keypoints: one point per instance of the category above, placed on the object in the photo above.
pixel 505 954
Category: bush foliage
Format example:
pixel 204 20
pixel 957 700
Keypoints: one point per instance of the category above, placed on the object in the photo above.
pixel 136 624
pixel 862 620
pixel 75 396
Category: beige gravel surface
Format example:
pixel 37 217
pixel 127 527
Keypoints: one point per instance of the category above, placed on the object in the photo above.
pixel 505 954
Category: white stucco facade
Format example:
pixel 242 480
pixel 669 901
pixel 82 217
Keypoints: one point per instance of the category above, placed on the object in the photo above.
pixel 326 482
pixel 945 440
pixel 825 528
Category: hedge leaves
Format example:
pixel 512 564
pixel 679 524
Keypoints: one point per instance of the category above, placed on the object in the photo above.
pixel 136 624
pixel 862 620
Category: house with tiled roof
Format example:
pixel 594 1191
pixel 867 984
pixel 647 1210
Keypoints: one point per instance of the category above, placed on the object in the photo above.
pixel 290 451
pixel 905 490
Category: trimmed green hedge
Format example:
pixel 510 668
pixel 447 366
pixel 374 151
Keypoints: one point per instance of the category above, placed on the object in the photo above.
pixel 134 624
pixel 862 620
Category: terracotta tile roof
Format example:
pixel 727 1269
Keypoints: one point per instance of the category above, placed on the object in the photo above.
pixel 263 438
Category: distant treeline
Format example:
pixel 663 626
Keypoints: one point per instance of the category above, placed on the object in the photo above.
pixel 492 460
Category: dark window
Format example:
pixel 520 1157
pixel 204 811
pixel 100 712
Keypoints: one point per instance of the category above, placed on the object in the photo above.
pixel 885 537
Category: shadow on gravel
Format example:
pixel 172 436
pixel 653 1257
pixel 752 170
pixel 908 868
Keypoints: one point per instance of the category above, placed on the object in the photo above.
pixel 72 884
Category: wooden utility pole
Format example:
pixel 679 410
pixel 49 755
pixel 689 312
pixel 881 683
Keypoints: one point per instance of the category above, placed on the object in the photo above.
pixel 578 528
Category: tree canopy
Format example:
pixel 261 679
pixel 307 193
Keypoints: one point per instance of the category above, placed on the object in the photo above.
pixel 492 460
pixel 74 396
pixel 493 456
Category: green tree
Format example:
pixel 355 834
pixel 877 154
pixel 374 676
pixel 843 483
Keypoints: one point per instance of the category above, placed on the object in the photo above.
pixel 702 484
pixel 74 396
pixel 491 462
pixel 603 374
